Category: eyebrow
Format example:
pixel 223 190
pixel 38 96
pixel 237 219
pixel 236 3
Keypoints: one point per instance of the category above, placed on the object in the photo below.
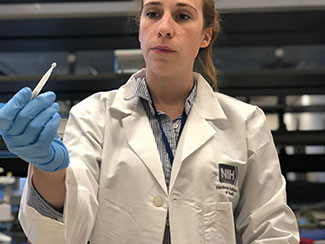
pixel 152 3
pixel 179 4
pixel 186 5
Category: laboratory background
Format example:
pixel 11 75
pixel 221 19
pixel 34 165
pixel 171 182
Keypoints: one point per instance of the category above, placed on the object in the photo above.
pixel 270 53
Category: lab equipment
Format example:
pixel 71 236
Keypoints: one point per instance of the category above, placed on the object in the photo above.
pixel 5 205
pixel 29 129
pixel 5 239
pixel 43 81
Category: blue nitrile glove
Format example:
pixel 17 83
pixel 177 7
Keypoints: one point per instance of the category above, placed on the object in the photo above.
pixel 29 129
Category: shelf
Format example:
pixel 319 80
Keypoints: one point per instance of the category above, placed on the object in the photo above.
pixel 278 82
pixel 289 163
pixel 243 83
pixel 74 27
pixel 299 138
pixel 294 109
pixel 16 166
pixel 305 192
pixel 302 163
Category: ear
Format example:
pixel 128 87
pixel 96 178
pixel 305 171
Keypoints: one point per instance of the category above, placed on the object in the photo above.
pixel 207 35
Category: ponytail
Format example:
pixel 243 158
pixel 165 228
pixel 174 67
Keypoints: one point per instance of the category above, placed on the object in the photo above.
pixel 205 59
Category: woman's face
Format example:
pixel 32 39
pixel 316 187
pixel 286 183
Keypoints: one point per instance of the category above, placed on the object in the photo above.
pixel 171 34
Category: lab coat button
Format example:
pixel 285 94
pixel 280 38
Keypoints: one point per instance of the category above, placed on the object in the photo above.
pixel 158 201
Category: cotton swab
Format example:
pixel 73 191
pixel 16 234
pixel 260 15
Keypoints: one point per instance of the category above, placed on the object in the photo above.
pixel 43 81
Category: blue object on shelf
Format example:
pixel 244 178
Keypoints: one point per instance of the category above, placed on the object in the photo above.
pixel 7 155
pixel 314 234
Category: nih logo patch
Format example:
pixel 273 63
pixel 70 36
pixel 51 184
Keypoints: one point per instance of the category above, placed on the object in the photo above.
pixel 228 174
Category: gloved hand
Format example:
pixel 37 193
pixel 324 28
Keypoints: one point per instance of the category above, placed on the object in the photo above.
pixel 29 129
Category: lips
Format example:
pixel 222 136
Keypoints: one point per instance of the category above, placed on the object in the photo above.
pixel 163 49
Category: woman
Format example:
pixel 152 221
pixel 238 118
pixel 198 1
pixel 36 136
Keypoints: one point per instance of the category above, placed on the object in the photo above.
pixel 164 159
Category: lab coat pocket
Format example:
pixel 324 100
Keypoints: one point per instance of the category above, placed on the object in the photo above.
pixel 219 223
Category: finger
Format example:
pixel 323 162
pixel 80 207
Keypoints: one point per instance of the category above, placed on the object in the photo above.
pixel 40 150
pixel 10 110
pixel 30 111
pixel 50 130
pixel 34 128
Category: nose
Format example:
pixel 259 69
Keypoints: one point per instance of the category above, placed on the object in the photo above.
pixel 165 27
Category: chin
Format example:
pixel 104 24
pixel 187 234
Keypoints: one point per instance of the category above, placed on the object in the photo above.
pixel 164 69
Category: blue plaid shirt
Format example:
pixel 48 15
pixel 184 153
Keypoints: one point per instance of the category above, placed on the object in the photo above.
pixel 171 129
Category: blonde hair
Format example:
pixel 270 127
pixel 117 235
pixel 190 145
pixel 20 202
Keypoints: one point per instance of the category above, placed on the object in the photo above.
pixel 211 19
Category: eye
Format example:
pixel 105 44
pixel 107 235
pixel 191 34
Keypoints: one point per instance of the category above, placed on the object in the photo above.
pixel 182 17
pixel 152 14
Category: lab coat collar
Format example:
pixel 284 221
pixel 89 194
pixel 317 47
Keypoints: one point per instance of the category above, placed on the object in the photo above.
pixel 196 133
pixel 206 99
pixel 125 101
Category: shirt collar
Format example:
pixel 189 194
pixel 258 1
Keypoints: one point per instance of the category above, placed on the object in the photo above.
pixel 141 90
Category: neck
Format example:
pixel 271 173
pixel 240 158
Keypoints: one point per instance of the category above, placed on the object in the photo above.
pixel 169 93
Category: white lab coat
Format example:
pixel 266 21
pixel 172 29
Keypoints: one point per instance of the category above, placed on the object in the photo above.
pixel 116 191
